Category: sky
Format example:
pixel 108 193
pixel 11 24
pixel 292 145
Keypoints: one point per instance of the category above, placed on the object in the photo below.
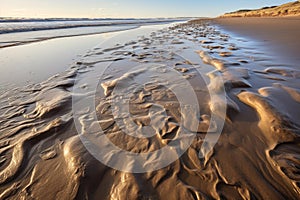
pixel 126 8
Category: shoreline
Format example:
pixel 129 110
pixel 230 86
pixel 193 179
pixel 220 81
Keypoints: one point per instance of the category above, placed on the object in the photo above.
pixel 19 43
pixel 16 38
pixel 38 61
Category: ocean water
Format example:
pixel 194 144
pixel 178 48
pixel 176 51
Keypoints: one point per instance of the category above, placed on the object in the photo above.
pixel 21 31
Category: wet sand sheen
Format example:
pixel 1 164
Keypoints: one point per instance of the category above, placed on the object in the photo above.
pixel 280 34
pixel 35 62
pixel 256 156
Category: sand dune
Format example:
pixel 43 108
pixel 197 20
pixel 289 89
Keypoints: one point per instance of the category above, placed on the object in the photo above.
pixel 288 9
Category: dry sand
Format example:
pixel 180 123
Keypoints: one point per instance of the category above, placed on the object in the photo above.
pixel 256 157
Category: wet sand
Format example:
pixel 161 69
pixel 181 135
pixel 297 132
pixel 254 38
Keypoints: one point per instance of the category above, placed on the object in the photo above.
pixel 35 62
pixel 54 133
pixel 280 34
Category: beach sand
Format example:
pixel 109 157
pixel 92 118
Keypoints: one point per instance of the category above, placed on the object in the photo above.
pixel 243 92
pixel 281 34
